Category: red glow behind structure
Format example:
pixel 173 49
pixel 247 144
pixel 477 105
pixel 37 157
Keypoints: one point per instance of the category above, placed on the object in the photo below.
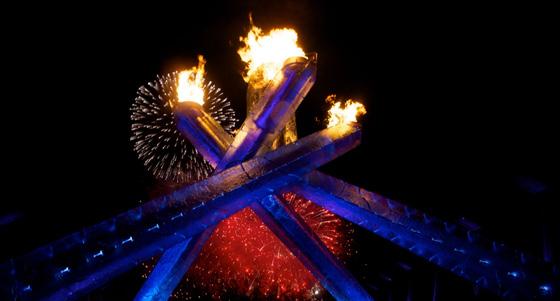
pixel 243 257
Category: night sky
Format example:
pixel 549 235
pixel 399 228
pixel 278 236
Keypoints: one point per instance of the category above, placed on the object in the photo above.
pixel 462 118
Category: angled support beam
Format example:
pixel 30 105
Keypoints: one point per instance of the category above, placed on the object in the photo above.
pixel 308 248
pixel 171 267
pixel 461 251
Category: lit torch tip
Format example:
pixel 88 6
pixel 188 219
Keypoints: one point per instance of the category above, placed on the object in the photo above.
pixel 190 85
pixel 344 113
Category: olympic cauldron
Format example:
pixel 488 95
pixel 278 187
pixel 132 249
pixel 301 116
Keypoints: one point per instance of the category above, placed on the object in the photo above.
pixel 251 169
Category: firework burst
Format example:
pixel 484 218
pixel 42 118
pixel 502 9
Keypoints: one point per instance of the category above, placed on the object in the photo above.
pixel 167 154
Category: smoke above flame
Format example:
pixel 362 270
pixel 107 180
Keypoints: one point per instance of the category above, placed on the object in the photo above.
pixel 346 113
pixel 265 54
pixel 190 86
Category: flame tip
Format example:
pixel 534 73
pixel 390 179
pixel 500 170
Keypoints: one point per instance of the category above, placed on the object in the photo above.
pixel 265 54
pixel 346 113
pixel 190 86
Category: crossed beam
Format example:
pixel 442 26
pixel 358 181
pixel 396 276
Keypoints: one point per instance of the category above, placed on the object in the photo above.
pixel 249 173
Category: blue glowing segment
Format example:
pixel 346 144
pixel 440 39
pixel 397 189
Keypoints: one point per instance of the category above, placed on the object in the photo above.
pixel 459 250
pixel 155 227
pixel 437 240
pixel 513 274
pixel 177 216
pixel 129 239
pixel 545 290
pixel 61 273
pixel 100 253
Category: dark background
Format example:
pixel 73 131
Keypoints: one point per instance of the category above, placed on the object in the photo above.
pixel 462 118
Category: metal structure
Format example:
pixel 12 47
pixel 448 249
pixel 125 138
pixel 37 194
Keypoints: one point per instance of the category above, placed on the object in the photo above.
pixel 251 169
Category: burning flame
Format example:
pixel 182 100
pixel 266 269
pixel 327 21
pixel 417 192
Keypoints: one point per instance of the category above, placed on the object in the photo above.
pixel 190 86
pixel 344 114
pixel 265 54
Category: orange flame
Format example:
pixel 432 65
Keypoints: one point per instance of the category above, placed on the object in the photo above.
pixel 265 54
pixel 344 114
pixel 190 85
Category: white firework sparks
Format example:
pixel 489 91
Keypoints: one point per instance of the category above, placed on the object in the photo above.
pixel 165 152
